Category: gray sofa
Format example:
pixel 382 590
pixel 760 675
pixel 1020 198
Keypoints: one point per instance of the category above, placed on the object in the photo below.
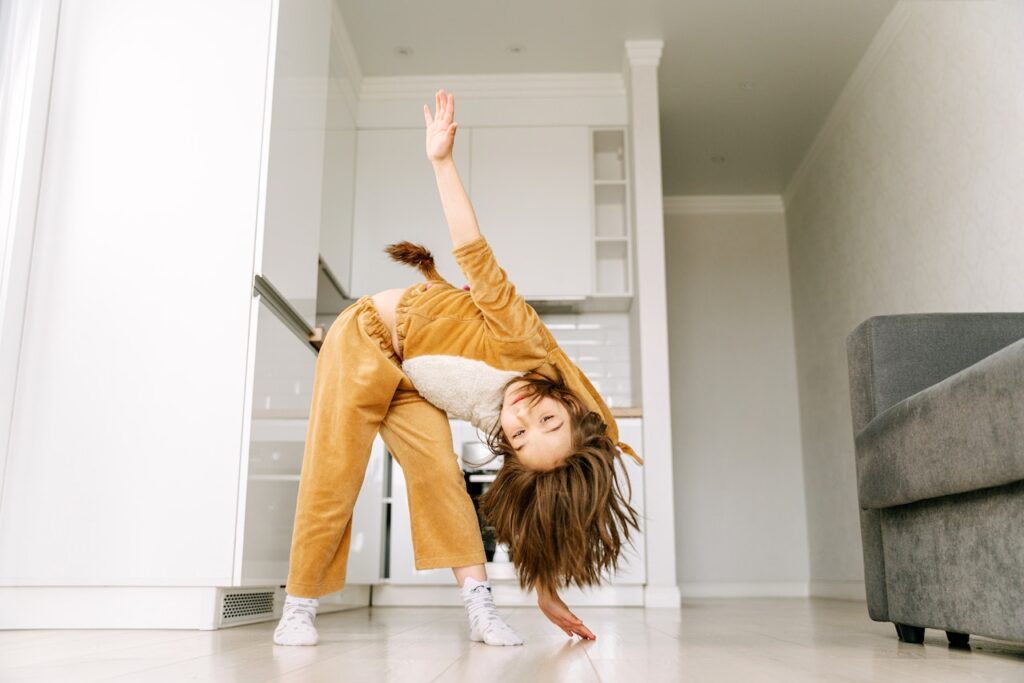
pixel 938 423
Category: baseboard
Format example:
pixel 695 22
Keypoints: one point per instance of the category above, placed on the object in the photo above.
pixel 839 590
pixel 350 597
pixel 658 596
pixel 506 594
pixel 136 607
pixel 748 589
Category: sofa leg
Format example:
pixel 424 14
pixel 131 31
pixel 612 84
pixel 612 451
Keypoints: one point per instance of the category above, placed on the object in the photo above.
pixel 958 639
pixel 910 634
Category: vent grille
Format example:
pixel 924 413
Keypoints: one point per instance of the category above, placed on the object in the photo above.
pixel 245 606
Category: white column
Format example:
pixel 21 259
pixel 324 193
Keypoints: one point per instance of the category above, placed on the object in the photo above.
pixel 642 57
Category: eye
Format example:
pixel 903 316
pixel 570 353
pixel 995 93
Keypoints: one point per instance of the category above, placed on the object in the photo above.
pixel 546 417
pixel 517 433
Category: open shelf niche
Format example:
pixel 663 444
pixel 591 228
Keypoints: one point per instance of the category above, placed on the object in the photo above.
pixel 612 243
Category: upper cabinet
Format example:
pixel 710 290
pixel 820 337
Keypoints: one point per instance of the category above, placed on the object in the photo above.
pixel 397 199
pixel 339 162
pixel 532 197
pixel 531 191
pixel 295 166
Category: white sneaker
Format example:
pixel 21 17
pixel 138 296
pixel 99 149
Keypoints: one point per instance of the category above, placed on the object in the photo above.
pixel 296 625
pixel 485 626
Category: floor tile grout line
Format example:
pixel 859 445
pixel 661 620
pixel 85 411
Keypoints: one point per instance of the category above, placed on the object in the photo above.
pixel 454 662
pixel 593 667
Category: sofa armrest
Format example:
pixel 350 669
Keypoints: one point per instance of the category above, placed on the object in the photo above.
pixel 891 357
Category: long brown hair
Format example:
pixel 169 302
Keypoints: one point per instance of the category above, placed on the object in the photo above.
pixel 566 525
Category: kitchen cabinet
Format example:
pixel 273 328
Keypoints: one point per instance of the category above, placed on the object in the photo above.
pixel 632 567
pixel 282 390
pixel 532 197
pixel 632 564
pixel 339 166
pixel 531 192
pixel 397 199
pixel 401 562
pixel 289 240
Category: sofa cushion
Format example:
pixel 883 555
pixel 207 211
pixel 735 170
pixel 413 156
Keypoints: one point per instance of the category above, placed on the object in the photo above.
pixel 961 434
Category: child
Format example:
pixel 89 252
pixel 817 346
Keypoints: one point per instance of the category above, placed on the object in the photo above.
pixel 404 360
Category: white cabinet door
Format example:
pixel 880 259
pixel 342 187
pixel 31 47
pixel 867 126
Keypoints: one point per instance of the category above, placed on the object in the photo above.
pixel 366 550
pixel 532 197
pixel 284 371
pixel 295 167
pixel 397 199
pixel 272 485
pixel 401 560
pixel 282 389
pixel 339 196
pixel 632 561
pixel 339 173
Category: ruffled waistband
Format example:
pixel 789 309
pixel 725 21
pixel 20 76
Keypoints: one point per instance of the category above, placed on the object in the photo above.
pixel 405 302
pixel 374 325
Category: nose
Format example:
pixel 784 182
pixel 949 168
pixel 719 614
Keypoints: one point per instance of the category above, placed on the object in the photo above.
pixel 522 408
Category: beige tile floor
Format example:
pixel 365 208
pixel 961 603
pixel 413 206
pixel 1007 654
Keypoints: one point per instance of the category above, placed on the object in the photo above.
pixel 749 640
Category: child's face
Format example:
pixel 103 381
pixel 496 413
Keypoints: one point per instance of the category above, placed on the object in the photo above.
pixel 538 428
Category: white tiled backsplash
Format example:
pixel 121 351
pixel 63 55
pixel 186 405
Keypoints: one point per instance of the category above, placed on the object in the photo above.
pixel 598 343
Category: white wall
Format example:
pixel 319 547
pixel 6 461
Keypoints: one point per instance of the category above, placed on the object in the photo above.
pixel 909 201
pixel 739 492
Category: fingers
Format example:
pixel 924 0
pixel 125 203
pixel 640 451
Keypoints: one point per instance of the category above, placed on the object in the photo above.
pixel 580 630
pixel 584 632
pixel 426 115
pixel 572 625
pixel 444 106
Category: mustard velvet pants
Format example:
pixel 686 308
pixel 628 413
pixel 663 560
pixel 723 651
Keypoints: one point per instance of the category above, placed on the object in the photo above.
pixel 359 389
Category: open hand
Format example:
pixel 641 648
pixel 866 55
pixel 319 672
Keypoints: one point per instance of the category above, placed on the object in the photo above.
pixel 555 610
pixel 440 127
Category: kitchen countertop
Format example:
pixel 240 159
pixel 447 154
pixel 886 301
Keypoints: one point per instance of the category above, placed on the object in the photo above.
pixel 627 412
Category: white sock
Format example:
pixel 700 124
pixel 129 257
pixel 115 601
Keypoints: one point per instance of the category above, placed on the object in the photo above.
pixel 485 626
pixel 296 625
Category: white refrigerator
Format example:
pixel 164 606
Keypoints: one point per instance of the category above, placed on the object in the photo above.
pixel 163 379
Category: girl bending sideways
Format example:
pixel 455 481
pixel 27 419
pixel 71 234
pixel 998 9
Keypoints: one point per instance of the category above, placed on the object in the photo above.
pixel 400 363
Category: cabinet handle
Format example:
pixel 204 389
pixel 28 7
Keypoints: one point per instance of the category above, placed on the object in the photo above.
pixel 286 312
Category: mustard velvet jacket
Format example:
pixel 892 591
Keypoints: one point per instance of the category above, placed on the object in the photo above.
pixel 490 323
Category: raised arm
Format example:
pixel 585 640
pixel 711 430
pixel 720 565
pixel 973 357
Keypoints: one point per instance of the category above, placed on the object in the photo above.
pixel 507 313
pixel 440 139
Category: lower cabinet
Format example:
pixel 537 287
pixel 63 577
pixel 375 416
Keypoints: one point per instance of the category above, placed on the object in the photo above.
pixel 401 564
pixel 366 554
pixel 632 563
pixel 401 568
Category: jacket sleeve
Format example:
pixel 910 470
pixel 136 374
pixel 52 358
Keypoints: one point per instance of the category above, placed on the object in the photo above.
pixel 508 315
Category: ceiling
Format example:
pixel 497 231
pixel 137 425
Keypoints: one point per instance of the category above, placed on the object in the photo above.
pixel 748 80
